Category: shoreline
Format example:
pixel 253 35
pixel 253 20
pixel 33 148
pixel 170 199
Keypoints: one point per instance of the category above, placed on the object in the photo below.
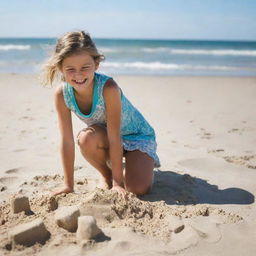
pixel 142 75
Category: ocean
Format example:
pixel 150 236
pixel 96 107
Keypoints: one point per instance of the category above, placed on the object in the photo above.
pixel 141 57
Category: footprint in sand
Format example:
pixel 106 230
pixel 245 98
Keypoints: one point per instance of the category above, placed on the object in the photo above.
pixel 242 130
pixel 217 152
pixel 11 171
pixel 205 228
pixel 248 161
pixel 2 188
pixel 8 183
pixel 26 118
pixel 236 130
pixel 23 117
pixel 8 180
pixel 233 130
pixel 19 150
pixel 204 134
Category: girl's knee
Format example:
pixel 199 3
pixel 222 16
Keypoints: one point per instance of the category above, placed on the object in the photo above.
pixel 86 139
pixel 139 190
pixel 92 138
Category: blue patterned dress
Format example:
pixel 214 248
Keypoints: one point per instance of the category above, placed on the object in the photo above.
pixel 135 130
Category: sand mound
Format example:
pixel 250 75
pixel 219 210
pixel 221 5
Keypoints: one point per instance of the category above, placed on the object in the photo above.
pixel 112 212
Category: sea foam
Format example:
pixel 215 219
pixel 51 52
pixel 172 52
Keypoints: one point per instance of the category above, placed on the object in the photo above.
pixel 165 66
pixel 8 47
pixel 201 51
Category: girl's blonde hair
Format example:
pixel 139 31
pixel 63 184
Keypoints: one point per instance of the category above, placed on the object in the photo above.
pixel 67 45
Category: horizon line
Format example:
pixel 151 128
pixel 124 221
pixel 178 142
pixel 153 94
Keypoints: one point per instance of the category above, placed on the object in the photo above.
pixel 150 39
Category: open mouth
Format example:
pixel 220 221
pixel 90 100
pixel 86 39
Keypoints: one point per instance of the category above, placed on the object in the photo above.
pixel 79 81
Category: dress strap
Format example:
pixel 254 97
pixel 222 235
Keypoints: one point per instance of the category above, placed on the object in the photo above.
pixel 101 80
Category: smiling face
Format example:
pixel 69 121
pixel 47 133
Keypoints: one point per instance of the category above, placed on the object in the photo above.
pixel 78 70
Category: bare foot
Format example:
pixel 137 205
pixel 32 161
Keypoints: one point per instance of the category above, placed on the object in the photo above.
pixel 64 190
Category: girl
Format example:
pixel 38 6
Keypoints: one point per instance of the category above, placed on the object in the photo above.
pixel 116 129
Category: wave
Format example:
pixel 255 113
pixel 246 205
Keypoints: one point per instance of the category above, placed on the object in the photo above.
pixel 202 52
pixel 217 52
pixel 104 50
pixel 46 47
pixel 142 65
pixel 167 66
pixel 8 47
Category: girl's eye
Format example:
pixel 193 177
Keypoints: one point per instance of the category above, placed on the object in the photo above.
pixel 84 68
pixel 70 70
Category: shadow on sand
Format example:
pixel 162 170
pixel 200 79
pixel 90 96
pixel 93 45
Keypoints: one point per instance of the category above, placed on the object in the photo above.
pixel 183 189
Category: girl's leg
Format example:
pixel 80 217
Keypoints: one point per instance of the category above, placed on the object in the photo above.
pixel 138 172
pixel 94 147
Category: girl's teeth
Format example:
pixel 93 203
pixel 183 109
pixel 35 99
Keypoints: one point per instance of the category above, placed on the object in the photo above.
pixel 80 81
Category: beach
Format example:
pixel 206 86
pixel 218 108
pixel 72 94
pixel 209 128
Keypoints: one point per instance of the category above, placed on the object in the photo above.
pixel 203 197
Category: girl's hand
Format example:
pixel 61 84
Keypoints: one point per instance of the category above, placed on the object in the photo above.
pixel 64 190
pixel 120 190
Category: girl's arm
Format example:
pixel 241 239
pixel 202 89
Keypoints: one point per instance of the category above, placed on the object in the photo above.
pixel 111 94
pixel 67 147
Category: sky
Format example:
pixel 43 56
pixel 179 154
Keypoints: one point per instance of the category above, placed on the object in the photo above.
pixel 146 19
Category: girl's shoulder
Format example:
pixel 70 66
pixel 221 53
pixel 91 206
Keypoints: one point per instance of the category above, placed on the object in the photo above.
pixel 62 95
pixel 107 83
pixel 61 91
pixel 58 93
pixel 101 79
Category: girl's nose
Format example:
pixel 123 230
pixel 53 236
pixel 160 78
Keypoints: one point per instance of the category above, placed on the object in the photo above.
pixel 78 74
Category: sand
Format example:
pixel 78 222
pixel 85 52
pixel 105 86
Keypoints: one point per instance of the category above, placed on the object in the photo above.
pixel 203 197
